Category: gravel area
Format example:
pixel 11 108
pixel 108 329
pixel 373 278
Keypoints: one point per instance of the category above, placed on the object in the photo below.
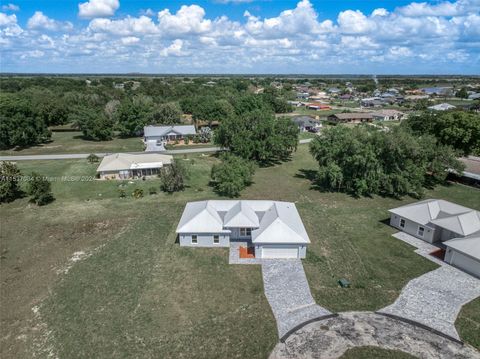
pixel 435 299
pixel 423 248
pixel 332 337
pixel 288 293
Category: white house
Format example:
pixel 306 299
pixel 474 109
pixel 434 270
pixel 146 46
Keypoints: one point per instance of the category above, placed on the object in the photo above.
pixel 452 226
pixel 129 165
pixel 273 228
pixel 155 137
pixel 442 107
pixel 388 115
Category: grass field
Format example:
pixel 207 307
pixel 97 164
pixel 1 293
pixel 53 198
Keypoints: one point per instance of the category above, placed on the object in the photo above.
pixel 73 142
pixel 376 353
pixel 136 293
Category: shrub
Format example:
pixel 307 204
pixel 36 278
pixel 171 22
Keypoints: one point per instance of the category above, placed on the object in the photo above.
pixel 173 177
pixel 137 193
pixel 152 190
pixel 39 189
pixel 9 175
pixel 92 158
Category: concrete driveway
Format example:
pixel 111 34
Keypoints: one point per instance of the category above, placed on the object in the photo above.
pixel 435 299
pixel 288 293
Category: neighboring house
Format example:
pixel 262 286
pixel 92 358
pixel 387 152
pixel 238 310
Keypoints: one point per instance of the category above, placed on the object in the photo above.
pixel 446 223
pixel 472 169
pixel 155 137
pixel 273 228
pixel 442 107
pixel 306 124
pixel 371 102
pixel 317 106
pixel 474 96
pixel 353 117
pixel 388 115
pixel 128 165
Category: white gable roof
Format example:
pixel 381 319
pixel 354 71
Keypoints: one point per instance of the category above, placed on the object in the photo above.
pixel 469 245
pixel 241 215
pixel 276 222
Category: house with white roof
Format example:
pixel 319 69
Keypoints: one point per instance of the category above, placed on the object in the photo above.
pixel 444 223
pixel 129 165
pixel 442 107
pixel 273 228
pixel 155 137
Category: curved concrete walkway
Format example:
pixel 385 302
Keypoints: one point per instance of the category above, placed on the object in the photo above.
pixel 435 299
pixel 288 293
pixel 330 338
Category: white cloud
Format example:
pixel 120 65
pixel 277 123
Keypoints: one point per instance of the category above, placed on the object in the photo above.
pixel 98 8
pixel 40 21
pixel 175 49
pixel 10 7
pixel 127 26
pixel 6 20
pixel 355 22
pixel 296 40
pixel 187 20
pixel 130 40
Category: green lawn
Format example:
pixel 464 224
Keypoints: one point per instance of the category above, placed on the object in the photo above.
pixel 140 295
pixel 375 353
pixel 73 142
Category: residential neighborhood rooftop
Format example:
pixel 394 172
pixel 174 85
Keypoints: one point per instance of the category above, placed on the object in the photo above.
pixel 153 131
pixel 274 221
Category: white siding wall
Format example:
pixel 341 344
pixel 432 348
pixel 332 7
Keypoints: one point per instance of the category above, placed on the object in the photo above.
pixel 465 263
pixel 204 240
pixel 411 228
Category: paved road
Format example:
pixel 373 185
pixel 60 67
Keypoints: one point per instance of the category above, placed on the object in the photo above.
pixel 288 293
pixel 332 337
pixel 85 155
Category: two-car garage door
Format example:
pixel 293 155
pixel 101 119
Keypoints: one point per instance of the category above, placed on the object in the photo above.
pixel 279 252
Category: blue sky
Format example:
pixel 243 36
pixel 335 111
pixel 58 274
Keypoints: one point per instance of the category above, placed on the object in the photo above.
pixel 241 36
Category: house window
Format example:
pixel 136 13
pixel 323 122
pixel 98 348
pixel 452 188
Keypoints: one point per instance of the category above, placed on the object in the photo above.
pixel 216 239
pixel 402 223
pixel 421 230
pixel 244 232
pixel 194 239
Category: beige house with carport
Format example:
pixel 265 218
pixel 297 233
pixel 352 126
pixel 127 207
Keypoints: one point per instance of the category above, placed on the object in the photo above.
pixel 121 166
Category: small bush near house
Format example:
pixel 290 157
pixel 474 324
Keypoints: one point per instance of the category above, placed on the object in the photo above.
pixel 152 190
pixel 173 177
pixel 9 189
pixel 92 158
pixel 39 189
pixel 137 193
pixel 122 193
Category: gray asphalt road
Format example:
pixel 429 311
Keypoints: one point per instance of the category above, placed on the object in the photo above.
pixel 85 155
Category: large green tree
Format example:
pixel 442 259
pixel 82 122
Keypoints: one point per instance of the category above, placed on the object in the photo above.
pixel 173 176
pixel 95 125
pixel 232 175
pixel 365 161
pixel 258 136
pixel 458 129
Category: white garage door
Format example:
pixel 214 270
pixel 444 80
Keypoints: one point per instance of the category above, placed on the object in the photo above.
pixel 280 252
pixel 468 264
